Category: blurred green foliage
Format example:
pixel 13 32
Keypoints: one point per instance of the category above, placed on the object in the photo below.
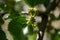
pixel 18 20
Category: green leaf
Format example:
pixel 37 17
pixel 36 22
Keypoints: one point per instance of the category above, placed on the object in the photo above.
pixel 1 21
pixel 32 36
pixel 10 3
pixel 30 29
pixel 56 35
pixel 33 3
pixel 58 17
pixel 1 4
pixel 16 27
pixel 2 35
pixel 46 3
